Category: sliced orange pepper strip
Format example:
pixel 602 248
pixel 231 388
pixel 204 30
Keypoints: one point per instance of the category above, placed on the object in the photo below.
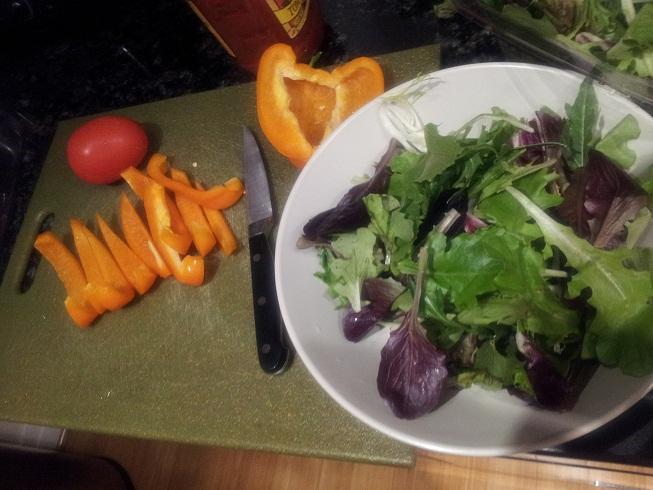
pixel 221 228
pixel 107 285
pixel 194 218
pixel 138 238
pixel 113 277
pixel 190 269
pixel 136 179
pixel 91 269
pixel 178 236
pixel 82 314
pixel 137 273
pixel 71 274
pixel 298 105
pixel 217 197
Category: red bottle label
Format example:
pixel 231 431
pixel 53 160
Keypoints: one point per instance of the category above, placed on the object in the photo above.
pixel 291 14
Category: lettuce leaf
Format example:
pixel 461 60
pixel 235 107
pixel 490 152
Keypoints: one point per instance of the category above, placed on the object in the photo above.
pixel 634 52
pixel 495 277
pixel 600 200
pixel 395 230
pixel 614 144
pixel 413 372
pixel 350 261
pixel 505 368
pixel 622 297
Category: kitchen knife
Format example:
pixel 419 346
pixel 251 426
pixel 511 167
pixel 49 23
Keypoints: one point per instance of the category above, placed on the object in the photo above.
pixel 273 352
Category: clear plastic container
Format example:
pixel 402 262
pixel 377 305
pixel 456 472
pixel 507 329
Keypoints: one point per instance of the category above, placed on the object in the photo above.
pixel 555 52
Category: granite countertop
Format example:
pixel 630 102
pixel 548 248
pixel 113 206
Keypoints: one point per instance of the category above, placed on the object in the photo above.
pixel 67 59
pixel 63 60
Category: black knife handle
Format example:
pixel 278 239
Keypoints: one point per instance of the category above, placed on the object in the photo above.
pixel 273 354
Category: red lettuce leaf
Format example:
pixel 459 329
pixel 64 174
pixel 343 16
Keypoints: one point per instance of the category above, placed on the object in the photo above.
pixel 552 390
pixel 547 128
pixel 599 201
pixel 380 293
pixel 413 373
pixel 350 213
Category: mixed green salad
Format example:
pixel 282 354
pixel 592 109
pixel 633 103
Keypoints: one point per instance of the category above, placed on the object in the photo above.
pixel 507 252
pixel 618 32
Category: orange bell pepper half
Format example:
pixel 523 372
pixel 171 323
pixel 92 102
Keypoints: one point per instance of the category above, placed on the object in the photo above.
pixel 298 105
pixel 221 229
pixel 178 236
pixel 136 272
pixel 194 218
pixel 190 269
pixel 71 274
pixel 108 286
pixel 139 239
pixel 217 197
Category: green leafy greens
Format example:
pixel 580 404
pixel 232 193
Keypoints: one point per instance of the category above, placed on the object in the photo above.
pixel 615 32
pixel 508 290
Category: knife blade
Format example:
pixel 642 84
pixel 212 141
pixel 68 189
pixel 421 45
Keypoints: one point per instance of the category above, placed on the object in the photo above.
pixel 271 343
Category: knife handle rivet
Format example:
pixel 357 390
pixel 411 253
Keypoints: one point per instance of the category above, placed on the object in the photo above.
pixel 265 348
pixel 261 300
pixel 256 257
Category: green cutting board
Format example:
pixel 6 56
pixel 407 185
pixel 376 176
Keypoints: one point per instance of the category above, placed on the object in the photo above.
pixel 180 362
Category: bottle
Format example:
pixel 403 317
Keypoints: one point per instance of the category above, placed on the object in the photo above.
pixel 245 28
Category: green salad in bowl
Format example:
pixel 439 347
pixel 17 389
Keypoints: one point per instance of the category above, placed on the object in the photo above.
pixel 496 257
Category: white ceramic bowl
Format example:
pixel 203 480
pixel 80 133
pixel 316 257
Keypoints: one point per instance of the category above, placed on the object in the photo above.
pixel 474 421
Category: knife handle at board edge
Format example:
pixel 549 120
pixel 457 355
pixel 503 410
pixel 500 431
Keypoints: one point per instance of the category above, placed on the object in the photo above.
pixel 273 354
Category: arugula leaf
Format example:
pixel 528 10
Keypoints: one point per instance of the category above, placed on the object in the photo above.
pixel 351 261
pixel 441 153
pixel 510 174
pixel 582 118
pixel 531 312
pixel 523 298
pixel 447 331
pixel 470 264
pixel 495 309
pixel 621 296
pixel 494 261
pixel 614 143
pixel 502 209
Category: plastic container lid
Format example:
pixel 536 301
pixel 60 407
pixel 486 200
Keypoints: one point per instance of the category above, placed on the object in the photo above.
pixel 554 51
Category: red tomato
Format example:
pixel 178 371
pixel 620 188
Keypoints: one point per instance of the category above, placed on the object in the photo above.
pixel 103 147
